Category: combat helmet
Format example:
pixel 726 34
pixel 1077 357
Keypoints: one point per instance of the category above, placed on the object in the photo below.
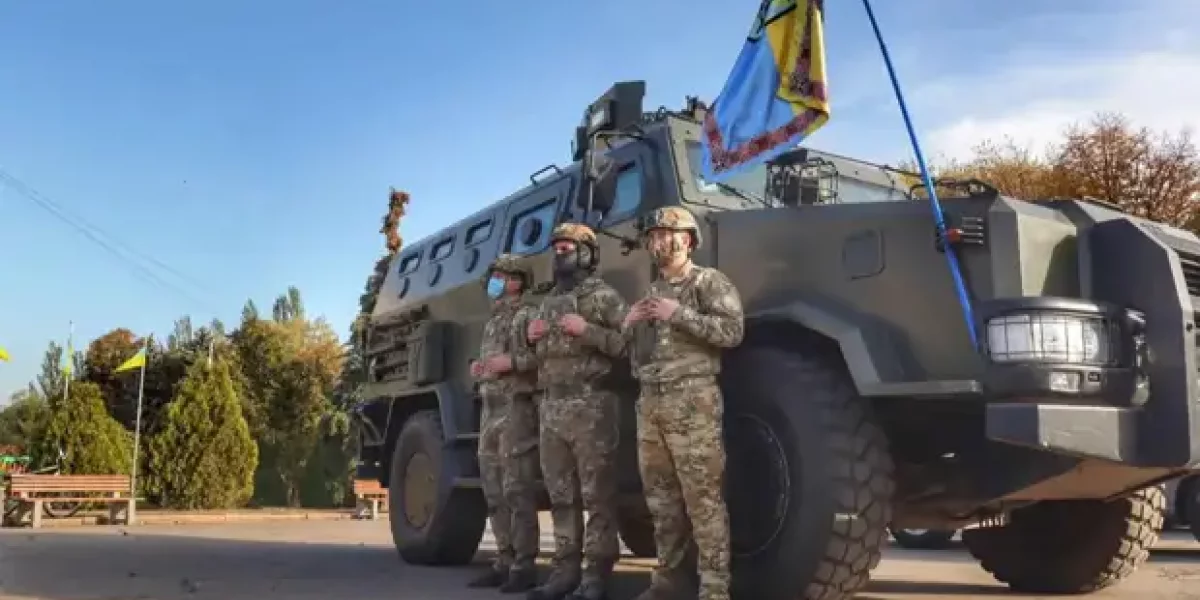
pixel 676 218
pixel 510 264
pixel 575 232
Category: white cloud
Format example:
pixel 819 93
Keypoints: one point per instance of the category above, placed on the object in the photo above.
pixel 1033 103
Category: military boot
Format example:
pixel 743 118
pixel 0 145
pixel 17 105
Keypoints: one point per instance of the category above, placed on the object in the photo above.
pixel 492 578
pixel 595 582
pixel 562 581
pixel 673 586
pixel 519 580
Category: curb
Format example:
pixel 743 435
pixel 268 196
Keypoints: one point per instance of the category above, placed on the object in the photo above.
pixel 196 518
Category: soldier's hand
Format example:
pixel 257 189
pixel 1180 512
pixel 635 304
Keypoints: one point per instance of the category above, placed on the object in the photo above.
pixel 662 308
pixel 476 369
pixel 573 324
pixel 498 363
pixel 637 312
pixel 537 329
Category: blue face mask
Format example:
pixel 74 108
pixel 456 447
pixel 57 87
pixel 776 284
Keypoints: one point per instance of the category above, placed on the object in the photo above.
pixel 495 287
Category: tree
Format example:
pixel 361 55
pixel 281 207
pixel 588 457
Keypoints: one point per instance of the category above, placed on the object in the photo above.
pixel 289 306
pixel 103 356
pixel 93 442
pixel 288 367
pixel 203 455
pixel 51 380
pixel 1155 176
pixel 24 420
pixel 1150 175
pixel 249 311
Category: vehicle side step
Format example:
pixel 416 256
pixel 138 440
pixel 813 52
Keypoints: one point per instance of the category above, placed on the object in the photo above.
pixel 466 438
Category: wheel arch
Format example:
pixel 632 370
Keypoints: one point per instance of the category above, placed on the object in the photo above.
pixel 437 397
pixel 871 362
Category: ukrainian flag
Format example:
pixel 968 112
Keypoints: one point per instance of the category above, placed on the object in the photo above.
pixel 136 361
pixel 4 357
pixel 775 96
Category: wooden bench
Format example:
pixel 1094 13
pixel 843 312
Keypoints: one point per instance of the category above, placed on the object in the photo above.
pixel 370 493
pixel 33 491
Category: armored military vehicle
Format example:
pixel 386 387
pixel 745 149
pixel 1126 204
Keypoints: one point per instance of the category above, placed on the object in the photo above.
pixel 858 399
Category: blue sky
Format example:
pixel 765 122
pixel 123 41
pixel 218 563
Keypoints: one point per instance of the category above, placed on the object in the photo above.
pixel 250 145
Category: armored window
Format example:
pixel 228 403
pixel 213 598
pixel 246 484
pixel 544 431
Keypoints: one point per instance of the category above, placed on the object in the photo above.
pixel 531 229
pixel 479 232
pixel 442 249
pixel 410 263
pixel 628 190
pixel 748 184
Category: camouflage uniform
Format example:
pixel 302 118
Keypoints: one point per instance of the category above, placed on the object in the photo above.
pixel 681 453
pixel 579 425
pixel 507 444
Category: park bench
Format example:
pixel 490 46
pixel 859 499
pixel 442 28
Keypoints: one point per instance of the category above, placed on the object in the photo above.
pixel 368 492
pixel 33 491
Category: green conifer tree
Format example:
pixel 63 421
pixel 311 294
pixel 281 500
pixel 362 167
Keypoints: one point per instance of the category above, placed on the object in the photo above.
pixel 203 455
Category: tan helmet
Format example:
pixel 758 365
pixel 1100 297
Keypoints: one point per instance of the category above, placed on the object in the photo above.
pixel 675 218
pixel 510 264
pixel 575 232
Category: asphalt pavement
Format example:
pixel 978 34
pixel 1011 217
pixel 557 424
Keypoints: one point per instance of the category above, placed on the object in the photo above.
pixel 344 560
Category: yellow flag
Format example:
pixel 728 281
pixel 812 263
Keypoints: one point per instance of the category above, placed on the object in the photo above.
pixel 134 362
pixel 4 355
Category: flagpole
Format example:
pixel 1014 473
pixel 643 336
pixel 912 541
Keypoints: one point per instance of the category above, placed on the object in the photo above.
pixel 70 368
pixel 939 218
pixel 137 431
pixel 210 351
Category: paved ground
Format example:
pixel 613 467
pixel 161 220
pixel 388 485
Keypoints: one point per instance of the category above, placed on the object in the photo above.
pixel 355 560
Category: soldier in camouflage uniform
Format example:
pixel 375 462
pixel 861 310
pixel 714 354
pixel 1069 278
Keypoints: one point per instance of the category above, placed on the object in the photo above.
pixel 676 334
pixel 576 335
pixel 508 432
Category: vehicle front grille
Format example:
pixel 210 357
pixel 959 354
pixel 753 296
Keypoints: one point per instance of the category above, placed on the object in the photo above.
pixel 1191 272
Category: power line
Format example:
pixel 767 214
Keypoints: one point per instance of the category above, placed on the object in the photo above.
pixel 113 245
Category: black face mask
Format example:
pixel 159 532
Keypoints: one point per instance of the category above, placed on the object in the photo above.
pixel 570 267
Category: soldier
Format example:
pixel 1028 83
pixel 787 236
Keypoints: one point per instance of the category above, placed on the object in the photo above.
pixel 677 332
pixel 576 335
pixel 508 433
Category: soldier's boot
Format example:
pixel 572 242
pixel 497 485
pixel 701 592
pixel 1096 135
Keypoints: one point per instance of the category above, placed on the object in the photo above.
pixel 674 585
pixel 595 581
pixel 494 577
pixel 562 581
pixel 519 580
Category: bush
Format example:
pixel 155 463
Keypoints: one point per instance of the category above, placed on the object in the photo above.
pixel 93 442
pixel 203 456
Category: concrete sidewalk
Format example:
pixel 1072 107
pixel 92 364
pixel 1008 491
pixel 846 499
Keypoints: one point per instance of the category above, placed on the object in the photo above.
pixel 149 516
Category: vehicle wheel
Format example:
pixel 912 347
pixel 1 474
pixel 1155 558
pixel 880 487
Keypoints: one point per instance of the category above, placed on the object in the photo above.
pixel 1071 546
pixel 1193 509
pixel 433 523
pixel 637 532
pixel 923 539
pixel 811 485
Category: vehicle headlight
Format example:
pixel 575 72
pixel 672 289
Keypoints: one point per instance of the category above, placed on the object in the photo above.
pixel 1049 338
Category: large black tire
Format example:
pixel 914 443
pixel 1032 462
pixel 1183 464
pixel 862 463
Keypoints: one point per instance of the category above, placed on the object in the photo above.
pixel 923 539
pixel 433 523
pixel 637 532
pixel 1071 546
pixel 1192 499
pixel 810 478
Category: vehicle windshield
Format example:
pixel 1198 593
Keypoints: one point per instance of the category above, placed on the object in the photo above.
pixel 748 186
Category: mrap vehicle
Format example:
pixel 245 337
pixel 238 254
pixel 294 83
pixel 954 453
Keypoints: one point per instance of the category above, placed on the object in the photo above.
pixel 858 399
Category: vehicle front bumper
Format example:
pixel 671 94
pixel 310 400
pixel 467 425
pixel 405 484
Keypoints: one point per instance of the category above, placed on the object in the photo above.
pixel 1141 411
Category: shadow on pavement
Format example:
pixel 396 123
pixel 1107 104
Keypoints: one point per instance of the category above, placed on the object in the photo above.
pixel 144 564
